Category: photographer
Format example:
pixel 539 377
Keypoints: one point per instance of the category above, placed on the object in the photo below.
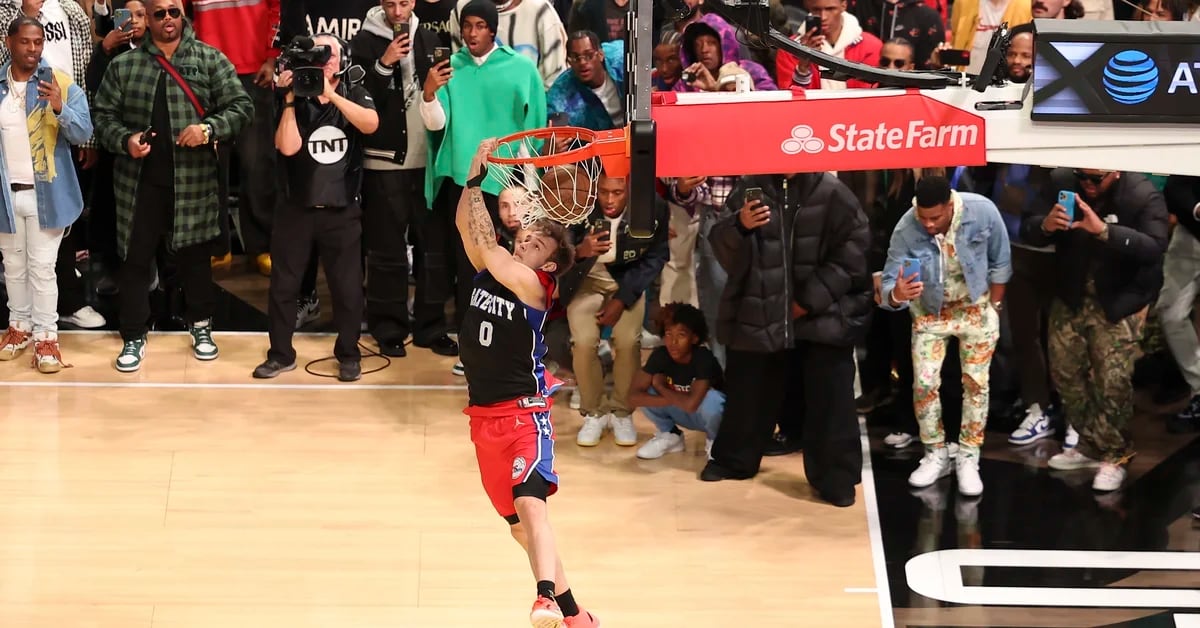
pixel 320 136
pixel 396 56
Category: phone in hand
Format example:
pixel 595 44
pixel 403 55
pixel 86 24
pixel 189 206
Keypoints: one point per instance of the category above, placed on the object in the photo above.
pixel 1066 198
pixel 123 20
pixel 146 136
pixel 909 267
pixel 560 118
pixel 440 54
pixel 687 76
pixel 45 75
pixel 811 23
pixel 400 30
pixel 753 195
pixel 951 56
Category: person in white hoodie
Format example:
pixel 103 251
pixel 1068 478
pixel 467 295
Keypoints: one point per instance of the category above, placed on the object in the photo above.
pixel 532 28
pixel 397 55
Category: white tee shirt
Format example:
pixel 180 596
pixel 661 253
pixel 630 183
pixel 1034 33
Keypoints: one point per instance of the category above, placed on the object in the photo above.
pixel 990 16
pixel 14 133
pixel 57 52
pixel 613 103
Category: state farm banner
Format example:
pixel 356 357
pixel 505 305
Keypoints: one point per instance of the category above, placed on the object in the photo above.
pixel 905 130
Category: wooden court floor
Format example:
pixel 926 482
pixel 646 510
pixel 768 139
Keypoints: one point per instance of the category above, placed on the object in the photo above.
pixel 190 495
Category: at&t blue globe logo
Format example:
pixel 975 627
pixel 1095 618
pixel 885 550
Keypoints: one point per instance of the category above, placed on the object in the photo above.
pixel 1130 77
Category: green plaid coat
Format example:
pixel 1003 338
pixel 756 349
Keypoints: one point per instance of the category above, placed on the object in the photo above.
pixel 123 106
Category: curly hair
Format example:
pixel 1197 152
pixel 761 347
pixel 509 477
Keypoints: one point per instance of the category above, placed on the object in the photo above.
pixel 684 314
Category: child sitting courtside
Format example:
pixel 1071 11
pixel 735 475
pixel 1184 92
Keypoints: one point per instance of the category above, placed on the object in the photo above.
pixel 680 385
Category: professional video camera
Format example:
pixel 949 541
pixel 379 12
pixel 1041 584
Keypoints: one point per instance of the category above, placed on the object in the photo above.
pixel 307 62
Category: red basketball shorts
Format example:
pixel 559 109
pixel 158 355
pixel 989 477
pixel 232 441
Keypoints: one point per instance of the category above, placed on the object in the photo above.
pixel 513 440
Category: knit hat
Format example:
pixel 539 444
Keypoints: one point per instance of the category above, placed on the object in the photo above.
pixel 482 9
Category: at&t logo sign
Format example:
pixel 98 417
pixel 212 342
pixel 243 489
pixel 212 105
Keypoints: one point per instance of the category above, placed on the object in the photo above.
pixel 1130 77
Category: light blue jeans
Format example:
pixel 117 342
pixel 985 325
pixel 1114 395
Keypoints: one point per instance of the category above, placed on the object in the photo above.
pixel 707 418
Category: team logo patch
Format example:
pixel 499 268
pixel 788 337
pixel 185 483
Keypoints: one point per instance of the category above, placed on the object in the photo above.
pixel 328 145
pixel 532 402
pixel 518 466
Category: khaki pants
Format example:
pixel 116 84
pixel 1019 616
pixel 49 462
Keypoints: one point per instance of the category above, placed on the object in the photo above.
pixel 679 273
pixel 626 344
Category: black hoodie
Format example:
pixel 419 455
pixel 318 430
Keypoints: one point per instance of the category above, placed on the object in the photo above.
pixel 911 19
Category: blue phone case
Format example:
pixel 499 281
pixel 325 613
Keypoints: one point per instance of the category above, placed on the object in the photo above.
pixel 911 266
pixel 1066 198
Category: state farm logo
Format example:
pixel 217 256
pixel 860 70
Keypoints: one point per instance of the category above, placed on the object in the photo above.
pixel 850 138
pixel 802 140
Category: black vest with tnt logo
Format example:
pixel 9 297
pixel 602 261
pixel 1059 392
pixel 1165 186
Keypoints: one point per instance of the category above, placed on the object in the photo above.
pixel 327 172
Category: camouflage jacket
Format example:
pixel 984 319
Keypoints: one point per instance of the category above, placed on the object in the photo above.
pixel 124 105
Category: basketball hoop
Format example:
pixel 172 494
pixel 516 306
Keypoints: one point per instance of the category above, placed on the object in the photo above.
pixel 557 168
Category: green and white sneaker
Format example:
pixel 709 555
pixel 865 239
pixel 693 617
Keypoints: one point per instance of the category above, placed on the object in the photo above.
pixel 131 356
pixel 203 346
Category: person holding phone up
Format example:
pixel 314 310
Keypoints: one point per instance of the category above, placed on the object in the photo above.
pixel 483 90
pixel 797 301
pixel 948 263
pixel 1108 269
pixel 397 56
pixel 42 114
pixel 166 182
pixel 830 29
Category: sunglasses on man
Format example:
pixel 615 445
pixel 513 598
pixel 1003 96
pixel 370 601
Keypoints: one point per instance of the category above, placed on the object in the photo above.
pixel 887 62
pixel 1094 178
pixel 162 14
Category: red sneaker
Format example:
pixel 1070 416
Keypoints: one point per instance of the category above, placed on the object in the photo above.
pixel 546 614
pixel 583 620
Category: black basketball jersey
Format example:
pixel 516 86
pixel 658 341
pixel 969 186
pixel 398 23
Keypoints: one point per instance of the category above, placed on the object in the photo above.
pixel 501 343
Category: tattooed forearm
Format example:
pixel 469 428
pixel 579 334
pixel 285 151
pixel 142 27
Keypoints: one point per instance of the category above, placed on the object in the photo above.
pixel 483 233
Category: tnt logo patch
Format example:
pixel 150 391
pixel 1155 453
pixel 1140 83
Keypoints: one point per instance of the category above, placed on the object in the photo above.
pixel 518 467
pixel 328 145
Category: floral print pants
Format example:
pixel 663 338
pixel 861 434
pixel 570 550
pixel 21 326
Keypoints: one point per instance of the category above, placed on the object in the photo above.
pixel 977 328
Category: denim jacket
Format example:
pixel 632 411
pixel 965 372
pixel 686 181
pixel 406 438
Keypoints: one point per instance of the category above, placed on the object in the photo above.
pixel 981 245
pixel 60 201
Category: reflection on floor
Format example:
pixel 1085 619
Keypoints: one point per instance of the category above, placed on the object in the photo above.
pixel 1027 509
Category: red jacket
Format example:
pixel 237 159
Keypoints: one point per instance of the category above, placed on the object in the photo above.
pixel 865 50
pixel 243 30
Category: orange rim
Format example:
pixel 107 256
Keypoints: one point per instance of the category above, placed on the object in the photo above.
pixel 574 155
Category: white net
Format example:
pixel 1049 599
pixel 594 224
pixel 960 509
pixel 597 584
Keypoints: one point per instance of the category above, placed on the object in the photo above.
pixel 563 193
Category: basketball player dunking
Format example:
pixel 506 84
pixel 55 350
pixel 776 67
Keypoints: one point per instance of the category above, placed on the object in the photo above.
pixel 501 347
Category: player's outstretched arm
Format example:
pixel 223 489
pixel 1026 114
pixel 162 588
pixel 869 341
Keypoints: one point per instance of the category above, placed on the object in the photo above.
pixel 479 239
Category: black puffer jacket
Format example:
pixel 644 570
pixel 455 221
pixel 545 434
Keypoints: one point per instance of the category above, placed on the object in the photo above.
pixel 812 252
pixel 1128 268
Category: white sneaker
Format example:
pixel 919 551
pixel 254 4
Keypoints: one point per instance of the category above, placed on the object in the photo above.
pixel 898 440
pixel 934 466
pixel 458 369
pixel 593 428
pixel 967 470
pixel 650 341
pixel 661 444
pixel 952 450
pixel 623 432
pixel 1036 426
pixel 85 318
pixel 1108 478
pixel 576 399
pixel 1071 459
pixel 1072 439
